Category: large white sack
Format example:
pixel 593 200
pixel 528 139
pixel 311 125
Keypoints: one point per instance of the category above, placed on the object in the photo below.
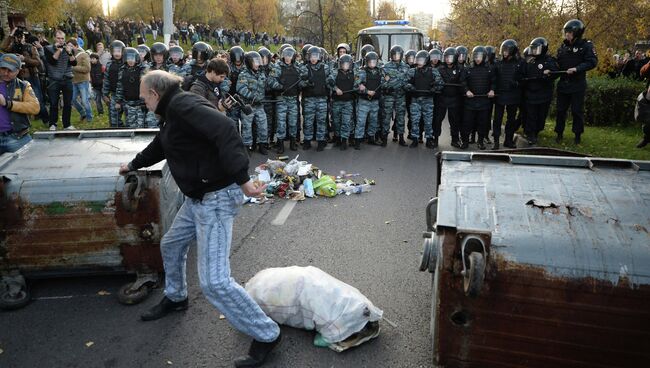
pixel 309 298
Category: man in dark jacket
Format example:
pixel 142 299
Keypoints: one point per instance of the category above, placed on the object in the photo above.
pixel 479 84
pixel 208 160
pixel 60 60
pixel 576 56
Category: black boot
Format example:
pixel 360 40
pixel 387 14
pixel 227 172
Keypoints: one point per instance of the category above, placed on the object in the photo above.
pixel 321 146
pixel 414 143
pixel 251 149
pixel 306 145
pixel 384 140
pixel 357 144
pixel 429 143
pixel 576 140
pixel 472 138
pixel 280 146
pixel 465 144
pixel 435 142
pixel 496 145
pixel 372 141
pixel 394 136
pixel 344 144
pixel 402 142
pixel 421 140
pixel 292 144
pixel 481 143
pixel 262 148
pixel 256 354
pixel 163 308
pixel 644 142
pixel 558 138
pixel 455 143
pixel 337 141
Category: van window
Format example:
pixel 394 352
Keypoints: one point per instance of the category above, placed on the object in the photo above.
pixel 379 41
pixel 407 41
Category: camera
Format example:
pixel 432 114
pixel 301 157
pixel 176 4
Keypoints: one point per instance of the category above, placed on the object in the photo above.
pixel 59 46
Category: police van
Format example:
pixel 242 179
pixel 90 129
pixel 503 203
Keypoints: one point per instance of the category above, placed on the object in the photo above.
pixel 387 33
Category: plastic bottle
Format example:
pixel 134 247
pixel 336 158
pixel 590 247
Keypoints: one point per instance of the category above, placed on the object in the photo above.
pixel 357 189
pixel 309 188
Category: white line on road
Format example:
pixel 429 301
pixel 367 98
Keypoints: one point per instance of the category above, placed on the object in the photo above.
pixel 284 213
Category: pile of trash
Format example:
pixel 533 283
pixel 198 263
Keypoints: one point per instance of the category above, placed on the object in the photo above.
pixel 297 180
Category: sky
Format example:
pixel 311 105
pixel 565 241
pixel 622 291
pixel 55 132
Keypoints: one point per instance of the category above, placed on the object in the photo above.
pixel 439 8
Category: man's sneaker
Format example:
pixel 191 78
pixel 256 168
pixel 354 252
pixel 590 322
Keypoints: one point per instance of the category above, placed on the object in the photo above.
pixel 70 127
pixel 163 308
pixel 53 127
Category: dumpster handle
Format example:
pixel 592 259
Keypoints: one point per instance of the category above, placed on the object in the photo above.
pixel 133 187
pixel 473 275
pixel 432 218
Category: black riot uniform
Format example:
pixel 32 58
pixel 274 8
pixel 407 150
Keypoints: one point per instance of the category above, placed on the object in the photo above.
pixel 508 74
pixel 578 54
pixel 451 99
pixel 479 79
pixel 538 88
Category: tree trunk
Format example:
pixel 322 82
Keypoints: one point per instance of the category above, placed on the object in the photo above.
pixel 4 16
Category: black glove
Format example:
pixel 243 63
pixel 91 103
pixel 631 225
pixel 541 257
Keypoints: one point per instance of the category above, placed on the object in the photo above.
pixel 310 84
pixel 304 77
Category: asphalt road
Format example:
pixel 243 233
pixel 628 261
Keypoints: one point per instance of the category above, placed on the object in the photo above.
pixel 371 241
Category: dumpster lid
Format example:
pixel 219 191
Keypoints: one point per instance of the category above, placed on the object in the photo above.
pixel 76 154
pixel 574 216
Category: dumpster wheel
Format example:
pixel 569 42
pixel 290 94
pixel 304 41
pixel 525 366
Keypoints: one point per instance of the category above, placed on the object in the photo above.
pixel 14 300
pixel 473 280
pixel 127 295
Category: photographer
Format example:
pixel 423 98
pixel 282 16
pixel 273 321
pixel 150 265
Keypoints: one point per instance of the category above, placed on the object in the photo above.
pixel 60 60
pixel 27 47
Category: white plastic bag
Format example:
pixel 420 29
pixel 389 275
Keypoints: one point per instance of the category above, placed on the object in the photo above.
pixel 309 298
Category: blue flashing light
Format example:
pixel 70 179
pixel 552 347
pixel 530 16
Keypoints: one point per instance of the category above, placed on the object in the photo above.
pixel 400 22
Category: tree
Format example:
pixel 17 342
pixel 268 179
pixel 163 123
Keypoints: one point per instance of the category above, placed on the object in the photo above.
pixel 254 15
pixel 387 10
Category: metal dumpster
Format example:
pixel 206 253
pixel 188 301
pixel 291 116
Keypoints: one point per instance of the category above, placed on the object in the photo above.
pixel 65 210
pixel 539 261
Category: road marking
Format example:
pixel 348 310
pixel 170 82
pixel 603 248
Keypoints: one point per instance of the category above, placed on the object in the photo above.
pixel 284 213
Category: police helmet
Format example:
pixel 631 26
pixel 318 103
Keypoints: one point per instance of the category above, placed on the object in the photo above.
pixel 365 49
pixel 509 48
pixel 538 46
pixel 315 53
pixel 435 54
pixel 131 54
pixel 305 51
pixel 396 52
pixel 323 54
pixel 253 60
pixel 266 55
pixel 144 52
pixel 371 59
pixel 344 46
pixel 449 55
pixel 159 48
pixel 288 52
pixel 422 58
pixel 478 54
pixel 461 54
pixel 574 26
pixel 345 62
pixel 409 57
pixel 284 46
pixel 236 54
pixel 202 50
pixel 491 53
pixel 176 51
pixel 117 44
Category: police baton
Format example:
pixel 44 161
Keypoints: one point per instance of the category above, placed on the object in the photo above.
pixel 285 90
pixel 453 85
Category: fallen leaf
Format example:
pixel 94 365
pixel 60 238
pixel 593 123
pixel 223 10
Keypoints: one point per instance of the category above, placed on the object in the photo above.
pixel 405 241
pixel 89 344
pixel 221 316
pixel 103 292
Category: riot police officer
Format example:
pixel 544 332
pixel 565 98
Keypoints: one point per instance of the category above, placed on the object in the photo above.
pixel 145 54
pixel 370 80
pixel 127 94
pixel 236 67
pixel 365 49
pixel 344 85
pixel 159 55
pixel 435 59
pixel 315 100
pixel 538 88
pixel 576 56
pixel 111 77
pixel 269 106
pixel 508 72
pixel 251 86
pixel 479 83
pixel 176 61
pixel 395 75
pixel 451 101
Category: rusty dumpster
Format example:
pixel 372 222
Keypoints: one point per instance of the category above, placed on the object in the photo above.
pixel 539 261
pixel 65 210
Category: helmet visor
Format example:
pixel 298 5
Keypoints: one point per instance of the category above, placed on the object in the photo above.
pixel 176 55
pixel 397 56
pixel 536 50
pixel 345 66
pixel 421 61
pixel 449 59
pixel 372 63
pixel 130 57
pixel 478 56
pixel 435 57
pixel 462 58
pixel 264 60
pixel 410 59
pixel 314 57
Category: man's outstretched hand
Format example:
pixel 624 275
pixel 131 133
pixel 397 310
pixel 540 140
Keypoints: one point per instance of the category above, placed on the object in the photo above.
pixel 251 190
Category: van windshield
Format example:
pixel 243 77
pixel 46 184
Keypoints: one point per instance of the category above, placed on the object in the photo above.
pixel 383 42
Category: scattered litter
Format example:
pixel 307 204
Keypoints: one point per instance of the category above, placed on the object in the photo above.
pixel 169 362
pixel 1 351
pixel 297 180
pixel 309 298
pixel 221 316
pixel 405 241
pixel 388 222
pixel 89 344
pixel 103 293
